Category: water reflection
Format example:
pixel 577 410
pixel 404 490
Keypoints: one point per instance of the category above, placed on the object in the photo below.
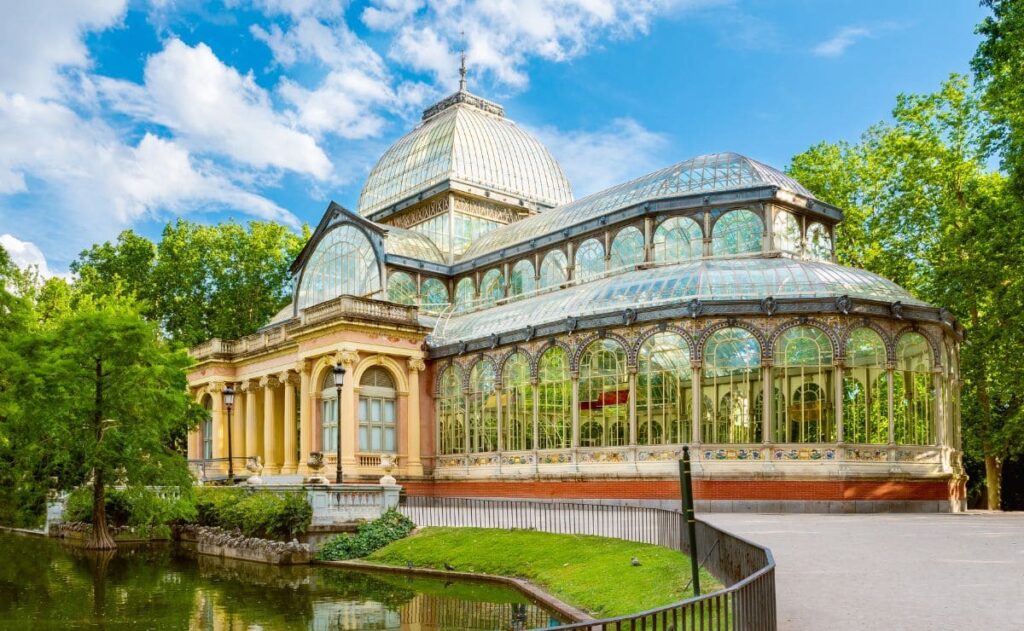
pixel 44 585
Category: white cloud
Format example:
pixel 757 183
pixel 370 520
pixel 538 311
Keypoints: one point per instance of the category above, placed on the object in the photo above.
pixel 41 38
pixel 595 160
pixel 213 108
pixel 836 45
pixel 25 254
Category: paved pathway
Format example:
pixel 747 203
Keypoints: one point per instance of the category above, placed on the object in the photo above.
pixel 893 572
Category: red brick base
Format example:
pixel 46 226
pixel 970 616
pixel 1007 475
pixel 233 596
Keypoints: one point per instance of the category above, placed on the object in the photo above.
pixel 804 490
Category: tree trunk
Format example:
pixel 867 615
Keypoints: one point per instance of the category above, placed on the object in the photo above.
pixel 994 482
pixel 100 538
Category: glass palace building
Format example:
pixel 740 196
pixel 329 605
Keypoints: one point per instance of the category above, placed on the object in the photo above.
pixel 501 338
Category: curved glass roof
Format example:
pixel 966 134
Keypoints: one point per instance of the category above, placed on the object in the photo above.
pixel 465 143
pixel 707 173
pixel 724 279
pixel 412 244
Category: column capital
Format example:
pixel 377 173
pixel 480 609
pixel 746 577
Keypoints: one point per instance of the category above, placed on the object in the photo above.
pixel 268 381
pixel 302 366
pixel 288 377
pixel 347 358
pixel 417 364
pixel 214 387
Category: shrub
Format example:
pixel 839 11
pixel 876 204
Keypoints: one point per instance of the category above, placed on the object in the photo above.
pixel 370 537
pixel 254 513
pixel 133 506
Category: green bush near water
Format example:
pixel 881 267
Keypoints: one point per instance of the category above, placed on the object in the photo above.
pixel 135 506
pixel 370 537
pixel 258 514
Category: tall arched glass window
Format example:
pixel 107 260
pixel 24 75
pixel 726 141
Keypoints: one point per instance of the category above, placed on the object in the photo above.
pixel 465 294
pixel 604 395
pixel 378 412
pixel 819 242
pixel 401 288
pixel 627 248
pixel 913 392
pixel 208 428
pixel 589 260
pixel 482 407
pixel 678 239
pixel 803 374
pixel 517 404
pixel 343 263
pixel 451 413
pixel 554 400
pixel 491 287
pixel 434 295
pixel 786 229
pixel 554 269
pixel 731 382
pixel 736 232
pixel 328 414
pixel 664 391
pixel 865 389
pixel 523 280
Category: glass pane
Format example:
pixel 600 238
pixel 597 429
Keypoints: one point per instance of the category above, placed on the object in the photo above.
pixel 435 295
pixel 819 242
pixel 554 269
pixel 589 260
pixel 522 281
pixel 364 443
pixel 375 405
pixel 375 442
pixel 664 391
pixel 627 248
pixel 389 411
pixel 678 239
pixel 343 263
pixel 389 439
pixel 736 232
pixel 465 294
pixel 786 229
pixel 491 287
pixel 401 288
pixel 603 395
pixel 363 409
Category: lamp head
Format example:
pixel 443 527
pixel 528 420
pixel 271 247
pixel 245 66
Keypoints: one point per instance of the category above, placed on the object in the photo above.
pixel 339 376
pixel 229 396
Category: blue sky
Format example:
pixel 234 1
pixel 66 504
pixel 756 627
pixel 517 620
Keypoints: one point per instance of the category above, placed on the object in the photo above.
pixel 117 114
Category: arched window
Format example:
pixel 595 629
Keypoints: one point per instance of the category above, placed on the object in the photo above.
pixel 732 381
pixel 378 412
pixel 482 407
pixel 401 288
pixel 208 428
pixel 589 260
pixel 627 248
pixel 786 228
pixel 328 414
pixel 913 392
pixel 517 404
pixel 819 242
pixel 435 295
pixel 664 391
pixel 803 373
pixel 465 294
pixel 736 232
pixel 523 280
pixel 678 239
pixel 865 389
pixel 451 413
pixel 343 263
pixel 491 287
pixel 604 395
pixel 554 400
pixel 554 269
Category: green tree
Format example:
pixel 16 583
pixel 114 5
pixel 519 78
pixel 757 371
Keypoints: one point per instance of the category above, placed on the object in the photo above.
pixel 927 213
pixel 97 396
pixel 999 67
pixel 121 268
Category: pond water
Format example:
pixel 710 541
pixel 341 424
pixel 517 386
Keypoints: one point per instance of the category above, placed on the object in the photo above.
pixel 46 585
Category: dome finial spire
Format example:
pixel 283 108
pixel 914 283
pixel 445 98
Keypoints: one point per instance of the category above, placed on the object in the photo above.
pixel 462 64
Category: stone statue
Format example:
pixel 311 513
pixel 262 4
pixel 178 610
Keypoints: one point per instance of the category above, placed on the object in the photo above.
pixel 255 466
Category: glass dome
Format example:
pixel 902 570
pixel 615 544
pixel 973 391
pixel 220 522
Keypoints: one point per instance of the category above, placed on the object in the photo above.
pixel 707 173
pixel 465 142
pixel 706 280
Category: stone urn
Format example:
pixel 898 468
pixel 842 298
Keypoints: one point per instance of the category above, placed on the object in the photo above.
pixel 316 464
pixel 387 462
pixel 255 466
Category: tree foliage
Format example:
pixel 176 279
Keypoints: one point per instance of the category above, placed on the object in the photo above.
pixel 924 209
pixel 999 67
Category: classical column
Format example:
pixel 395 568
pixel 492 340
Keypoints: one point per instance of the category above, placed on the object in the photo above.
pixel 890 370
pixel 413 466
pixel 270 460
pixel 195 451
pixel 238 428
pixel 840 431
pixel 574 378
pixel 938 425
pixel 348 422
pixel 767 402
pixel 305 413
pixel 291 437
pixel 696 393
pixel 632 406
pixel 220 430
pixel 251 431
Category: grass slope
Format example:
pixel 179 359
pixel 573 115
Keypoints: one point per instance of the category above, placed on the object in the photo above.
pixel 593 573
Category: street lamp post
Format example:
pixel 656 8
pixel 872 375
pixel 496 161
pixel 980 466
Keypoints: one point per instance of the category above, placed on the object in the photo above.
pixel 229 402
pixel 339 381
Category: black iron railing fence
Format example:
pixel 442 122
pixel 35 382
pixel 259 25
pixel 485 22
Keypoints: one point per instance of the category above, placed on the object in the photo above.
pixel 747 603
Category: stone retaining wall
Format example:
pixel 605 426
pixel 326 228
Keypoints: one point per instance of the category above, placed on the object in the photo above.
pixel 221 543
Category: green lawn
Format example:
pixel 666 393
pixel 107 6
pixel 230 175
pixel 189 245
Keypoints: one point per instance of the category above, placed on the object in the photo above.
pixel 592 573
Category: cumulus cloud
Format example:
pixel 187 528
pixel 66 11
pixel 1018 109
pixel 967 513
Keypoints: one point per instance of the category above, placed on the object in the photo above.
pixel 836 45
pixel 596 159
pixel 25 254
